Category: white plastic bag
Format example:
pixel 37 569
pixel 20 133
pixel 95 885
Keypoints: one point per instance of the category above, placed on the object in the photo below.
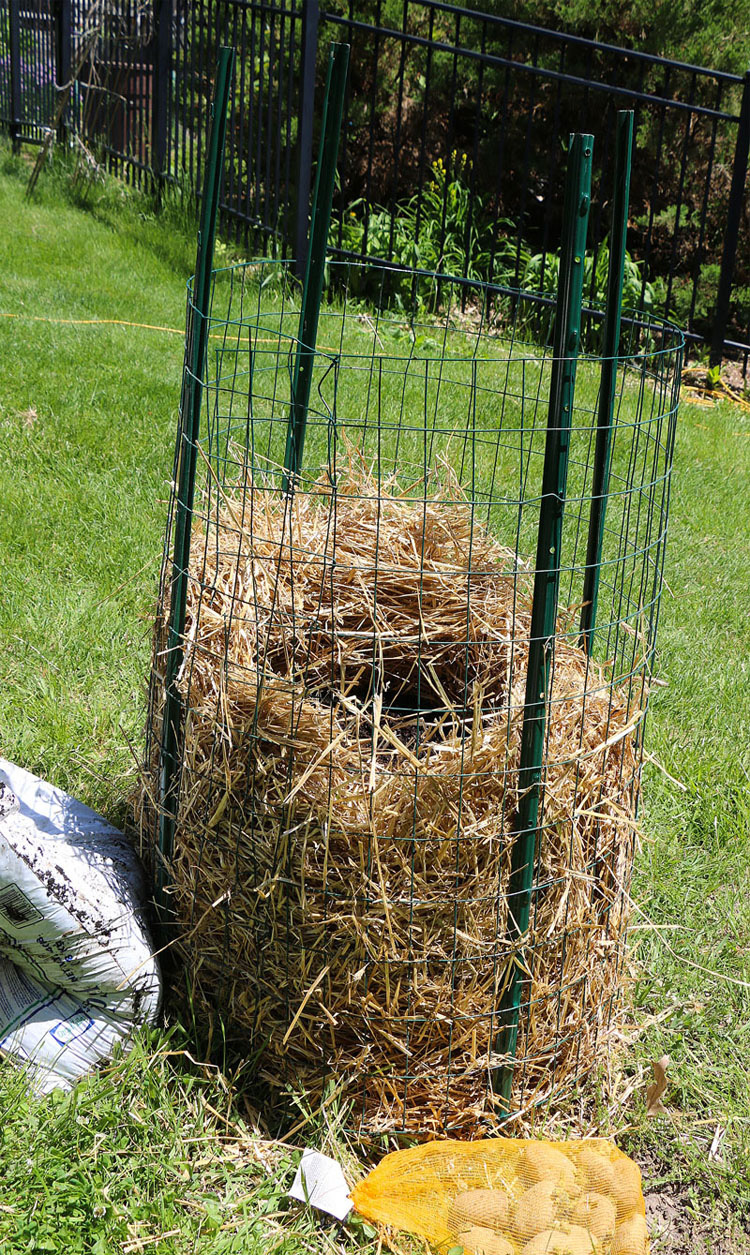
pixel 77 969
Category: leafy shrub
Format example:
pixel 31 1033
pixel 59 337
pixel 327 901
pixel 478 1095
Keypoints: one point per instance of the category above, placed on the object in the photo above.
pixel 446 231
pixel 541 272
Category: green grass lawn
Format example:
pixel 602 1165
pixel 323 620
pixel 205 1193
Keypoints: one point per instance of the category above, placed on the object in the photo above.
pixel 87 427
pixel 157 1153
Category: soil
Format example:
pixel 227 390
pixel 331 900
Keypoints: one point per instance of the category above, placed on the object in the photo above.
pixel 734 385
pixel 732 375
pixel 676 1230
pixel 681 1224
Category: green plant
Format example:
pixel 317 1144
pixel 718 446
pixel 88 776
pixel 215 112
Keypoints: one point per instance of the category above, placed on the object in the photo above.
pixel 697 309
pixel 446 230
pixel 713 34
pixel 541 272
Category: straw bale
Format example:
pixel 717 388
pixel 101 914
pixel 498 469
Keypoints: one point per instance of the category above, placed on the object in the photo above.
pixel 354 677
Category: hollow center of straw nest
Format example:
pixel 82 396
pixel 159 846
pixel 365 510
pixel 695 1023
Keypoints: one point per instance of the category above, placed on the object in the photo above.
pixel 357 635
pixel 354 682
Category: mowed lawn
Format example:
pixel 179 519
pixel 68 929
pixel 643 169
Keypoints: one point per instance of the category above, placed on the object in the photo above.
pixel 158 1154
pixel 87 420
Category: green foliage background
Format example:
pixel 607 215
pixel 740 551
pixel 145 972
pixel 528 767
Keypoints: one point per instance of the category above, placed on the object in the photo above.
pixel 713 34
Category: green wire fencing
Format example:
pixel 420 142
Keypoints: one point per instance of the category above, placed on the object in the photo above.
pixel 408 756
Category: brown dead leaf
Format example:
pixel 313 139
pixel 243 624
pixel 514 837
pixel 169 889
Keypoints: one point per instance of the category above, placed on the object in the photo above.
pixel 654 1105
pixel 29 417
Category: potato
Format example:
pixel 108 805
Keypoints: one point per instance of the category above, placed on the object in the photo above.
pixel 597 1213
pixel 625 1189
pixel 486 1208
pixel 598 1170
pixel 568 1240
pixel 631 1237
pixel 542 1206
pixel 539 1162
pixel 480 1241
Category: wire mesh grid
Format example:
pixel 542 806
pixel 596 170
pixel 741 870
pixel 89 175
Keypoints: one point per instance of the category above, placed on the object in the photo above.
pixel 353 691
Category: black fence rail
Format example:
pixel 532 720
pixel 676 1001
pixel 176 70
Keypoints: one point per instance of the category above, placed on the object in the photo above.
pixel 454 138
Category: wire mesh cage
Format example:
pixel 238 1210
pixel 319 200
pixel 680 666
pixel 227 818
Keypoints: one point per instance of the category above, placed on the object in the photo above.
pixel 354 686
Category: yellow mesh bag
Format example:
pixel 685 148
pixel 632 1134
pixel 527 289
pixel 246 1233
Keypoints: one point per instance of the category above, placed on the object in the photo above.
pixel 508 1197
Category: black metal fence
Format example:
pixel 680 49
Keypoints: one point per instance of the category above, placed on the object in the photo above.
pixel 27 67
pixel 453 143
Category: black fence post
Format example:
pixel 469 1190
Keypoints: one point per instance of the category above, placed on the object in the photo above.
pixel 731 235
pixel 14 23
pixel 62 24
pixel 310 17
pixel 160 99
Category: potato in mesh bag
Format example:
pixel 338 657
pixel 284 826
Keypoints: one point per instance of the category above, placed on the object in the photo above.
pixel 504 1196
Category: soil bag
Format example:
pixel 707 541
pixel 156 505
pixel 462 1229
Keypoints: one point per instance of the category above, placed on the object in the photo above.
pixel 77 968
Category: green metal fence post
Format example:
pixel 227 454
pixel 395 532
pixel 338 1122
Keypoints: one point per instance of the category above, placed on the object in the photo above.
pixel 189 431
pixel 312 292
pixel 546 591
pixel 305 116
pixel 610 346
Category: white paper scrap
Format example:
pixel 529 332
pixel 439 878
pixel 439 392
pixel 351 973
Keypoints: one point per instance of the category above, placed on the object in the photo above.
pixel 320 1182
